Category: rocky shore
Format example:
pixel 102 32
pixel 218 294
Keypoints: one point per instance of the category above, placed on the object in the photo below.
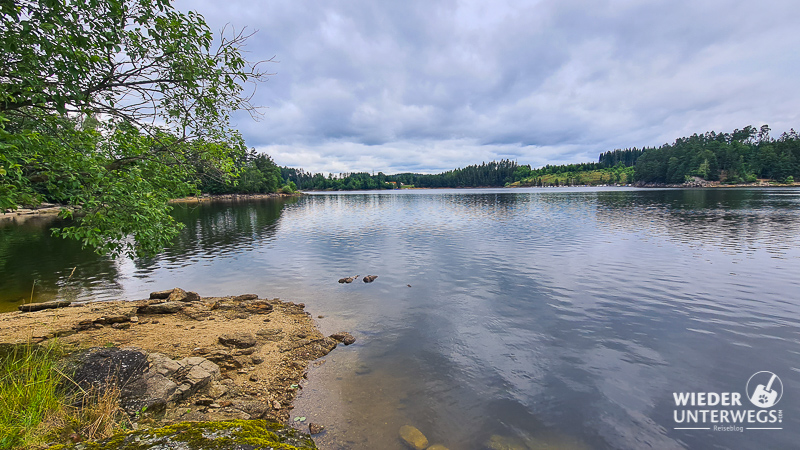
pixel 179 357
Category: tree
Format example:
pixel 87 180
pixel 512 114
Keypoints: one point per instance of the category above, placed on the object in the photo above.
pixel 110 106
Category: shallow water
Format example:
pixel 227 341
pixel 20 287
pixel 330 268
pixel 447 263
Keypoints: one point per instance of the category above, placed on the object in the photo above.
pixel 549 317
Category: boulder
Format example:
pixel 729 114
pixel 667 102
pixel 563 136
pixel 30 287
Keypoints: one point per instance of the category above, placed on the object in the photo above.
pixel 238 340
pixel 413 437
pixel 243 297
pixel 370 278
pixel 99 368
pixel 315 428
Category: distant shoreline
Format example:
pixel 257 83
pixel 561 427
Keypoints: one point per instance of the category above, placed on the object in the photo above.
pixel 50 209
pixel 212 197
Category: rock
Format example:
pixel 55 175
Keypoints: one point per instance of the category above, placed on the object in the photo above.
pixel 161 295
pixel 276 404
pixel 99 368
pixel 204 401
pixel 31 307
pixel 149 393
pixel 370 278
pixel 216 390
pixel 120 326
pixel 238 340
pixel 315 428
pixel 84 324
pixel 112 320
pixel 256 306
pixel 437 447
pixel 253 408
pixel 163 365
pixel 225 360
pixel 343 337
pixel 200 370
pixel 179 295
pixel 228 434
pixel 161 308
pixel 257 360
pixel 134 319
pixel 240 298
pixel 413 437
pixel 253 377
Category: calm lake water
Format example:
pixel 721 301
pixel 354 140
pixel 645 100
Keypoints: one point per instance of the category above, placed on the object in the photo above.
pixel 543 318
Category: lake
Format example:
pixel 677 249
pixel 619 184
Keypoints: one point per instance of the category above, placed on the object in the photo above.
pixel 535 318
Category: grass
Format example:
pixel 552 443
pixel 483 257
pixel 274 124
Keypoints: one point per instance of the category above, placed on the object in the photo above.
pixel 35 407
pixel 29 391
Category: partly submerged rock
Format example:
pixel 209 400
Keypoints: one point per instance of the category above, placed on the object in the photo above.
pixel 222 435
pixel 343 337
pixel 370 278
pixel 413 437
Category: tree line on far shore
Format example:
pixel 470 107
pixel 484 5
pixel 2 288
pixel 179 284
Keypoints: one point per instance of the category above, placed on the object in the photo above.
pixel 743 156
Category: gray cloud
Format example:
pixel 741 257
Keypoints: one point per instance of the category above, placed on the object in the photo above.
pixel 431 85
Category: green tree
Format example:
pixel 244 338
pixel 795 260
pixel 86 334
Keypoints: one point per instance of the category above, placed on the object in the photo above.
pixel 111 106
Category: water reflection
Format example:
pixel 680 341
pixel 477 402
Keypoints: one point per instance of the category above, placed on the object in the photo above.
pixel 537 316
pixel 36 266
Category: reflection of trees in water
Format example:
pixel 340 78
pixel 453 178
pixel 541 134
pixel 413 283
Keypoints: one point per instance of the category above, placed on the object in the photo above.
pixel 28 254
pixel 221 227
pixel 732 220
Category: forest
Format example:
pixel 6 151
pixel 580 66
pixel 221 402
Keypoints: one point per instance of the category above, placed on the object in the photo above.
pixel 743 156
pixel 740 157
pixel 491 174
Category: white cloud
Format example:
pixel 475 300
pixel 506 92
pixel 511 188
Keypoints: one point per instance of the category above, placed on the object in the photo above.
pixel 433 85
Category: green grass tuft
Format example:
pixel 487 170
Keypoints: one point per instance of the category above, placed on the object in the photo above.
pixel 29 391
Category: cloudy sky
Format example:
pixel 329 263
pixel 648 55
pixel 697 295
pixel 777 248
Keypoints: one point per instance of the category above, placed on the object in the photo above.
pixel 430 85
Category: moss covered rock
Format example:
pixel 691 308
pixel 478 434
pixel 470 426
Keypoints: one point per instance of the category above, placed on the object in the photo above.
pixel 224 435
